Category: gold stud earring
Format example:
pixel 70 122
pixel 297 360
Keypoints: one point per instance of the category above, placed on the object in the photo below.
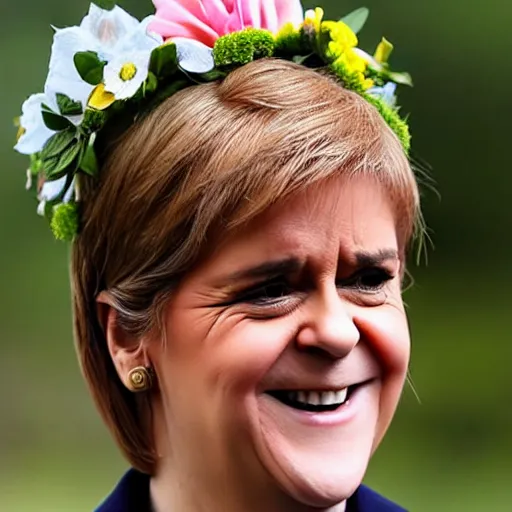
pixel 140 379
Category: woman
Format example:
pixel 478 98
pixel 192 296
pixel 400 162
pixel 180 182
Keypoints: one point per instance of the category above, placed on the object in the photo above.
pixel 238 250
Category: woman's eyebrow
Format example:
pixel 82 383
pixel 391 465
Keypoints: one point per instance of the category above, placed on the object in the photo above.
pixel 292 264
pixel 265 269
pixel 370 259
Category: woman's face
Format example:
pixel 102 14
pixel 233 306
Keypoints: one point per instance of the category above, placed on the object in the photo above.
pixel 287 349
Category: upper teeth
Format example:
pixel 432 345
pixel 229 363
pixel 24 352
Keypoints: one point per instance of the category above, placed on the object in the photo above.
pixel 319 397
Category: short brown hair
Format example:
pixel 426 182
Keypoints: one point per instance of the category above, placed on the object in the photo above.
pixel 211 155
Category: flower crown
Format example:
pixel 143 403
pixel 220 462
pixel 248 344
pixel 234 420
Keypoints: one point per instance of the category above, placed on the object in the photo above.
pixel 114 65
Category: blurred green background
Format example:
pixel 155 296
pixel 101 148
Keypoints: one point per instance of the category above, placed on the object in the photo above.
pixel 451 453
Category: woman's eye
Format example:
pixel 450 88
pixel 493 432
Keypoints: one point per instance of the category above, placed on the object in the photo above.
pixel 368 280
pixel 267 293
pixel 272 299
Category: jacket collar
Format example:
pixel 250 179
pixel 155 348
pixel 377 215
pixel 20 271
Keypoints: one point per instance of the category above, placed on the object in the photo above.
pixel 132 495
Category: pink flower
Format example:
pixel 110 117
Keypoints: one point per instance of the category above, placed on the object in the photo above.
pixel 207 20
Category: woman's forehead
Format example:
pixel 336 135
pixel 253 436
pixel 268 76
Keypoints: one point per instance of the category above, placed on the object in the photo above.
pixel 333 219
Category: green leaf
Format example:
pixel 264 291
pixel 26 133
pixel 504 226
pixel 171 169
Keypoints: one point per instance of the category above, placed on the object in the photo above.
pixel 214 74
pixel 400 78
pixel 58 165
pixel 89 67
pixel 48 210
pixel 356 19
pixel 108 5
pixel 89 162
pixel 164 60
pixel 94 121
pixel 67 106
pixel 300 59
pixel 58 143
pixel 151 84
pixel 55 121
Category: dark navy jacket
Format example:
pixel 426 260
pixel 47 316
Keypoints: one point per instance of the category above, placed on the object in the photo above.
pixel 132 495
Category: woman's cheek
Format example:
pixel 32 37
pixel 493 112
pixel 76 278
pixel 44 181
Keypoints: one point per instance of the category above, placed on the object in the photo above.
pixel 385 329
pixel 254 346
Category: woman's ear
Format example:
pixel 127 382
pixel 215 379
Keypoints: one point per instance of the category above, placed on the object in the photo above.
pixel 127 351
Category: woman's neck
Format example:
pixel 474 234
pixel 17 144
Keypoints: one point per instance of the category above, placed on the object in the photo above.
pixel 176 491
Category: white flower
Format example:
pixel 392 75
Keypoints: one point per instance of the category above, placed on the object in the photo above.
pixel 128 68
pixel 51 190
pixel 105 29
pixel 108 33
pixel 34 133
pixel 193 56
pixel 100 31
pixel 124 75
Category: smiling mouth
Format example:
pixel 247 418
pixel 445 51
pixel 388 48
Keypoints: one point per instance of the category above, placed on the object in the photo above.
pixel 314 401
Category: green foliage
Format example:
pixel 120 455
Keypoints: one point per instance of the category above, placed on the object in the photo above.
pixel 65 221
pixel 58 143
pixel 36 164
pixel 93 121
pixel 242 47
pixel 356 19
pixel 67 106
pixel 55 121
pixel 89 67
pixel 291 42
pixel 393 119
pixel 108 5
pixel 214 74
pixel 351 80
pixel 402 78
pixel 57 166
pixel 164 61
pixel 150 85
pixel 60 152
pixel 89 161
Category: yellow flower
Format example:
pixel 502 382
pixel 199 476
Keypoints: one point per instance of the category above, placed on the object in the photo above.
pixel 313 19
pixel 353 61
pixel 342 36
pixel 100 99
pixel 288 29
pixel 367 83
pixel 383 51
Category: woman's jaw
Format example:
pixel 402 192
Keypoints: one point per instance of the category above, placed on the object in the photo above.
pixel 275 400
pixel 319 453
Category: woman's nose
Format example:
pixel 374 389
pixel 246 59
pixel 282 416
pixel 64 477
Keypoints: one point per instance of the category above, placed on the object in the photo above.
pixel 329 325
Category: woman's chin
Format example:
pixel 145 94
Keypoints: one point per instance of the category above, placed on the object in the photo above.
pixel 319 462
pixel 316 482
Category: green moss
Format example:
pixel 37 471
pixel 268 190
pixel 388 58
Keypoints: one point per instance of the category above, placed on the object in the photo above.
pixel 291 42
pixel 393 119
pixel 242 47
pixel 351 80
pixel 64 223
